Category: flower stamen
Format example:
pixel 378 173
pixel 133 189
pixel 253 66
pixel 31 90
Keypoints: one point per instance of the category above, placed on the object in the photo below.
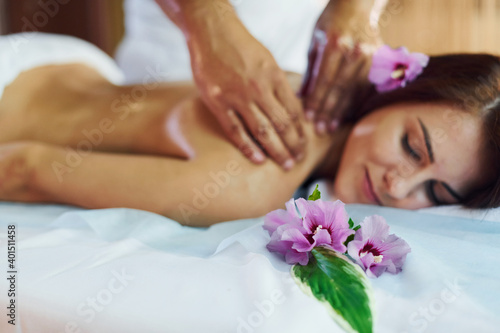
pixel 318 228
pixel 399 73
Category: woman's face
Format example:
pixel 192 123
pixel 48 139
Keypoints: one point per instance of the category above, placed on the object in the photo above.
pixel 411 156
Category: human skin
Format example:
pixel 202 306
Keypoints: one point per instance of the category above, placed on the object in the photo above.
pixel 399 172
pixel 242 85
pixel 169 149
pixel 343 42
pixel 240 82
pixel 169 144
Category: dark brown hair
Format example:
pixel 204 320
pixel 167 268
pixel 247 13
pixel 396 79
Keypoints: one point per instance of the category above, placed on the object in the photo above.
pixel 470 82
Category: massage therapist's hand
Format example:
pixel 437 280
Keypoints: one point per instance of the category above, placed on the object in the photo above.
pixel 241 83
pixel 343 42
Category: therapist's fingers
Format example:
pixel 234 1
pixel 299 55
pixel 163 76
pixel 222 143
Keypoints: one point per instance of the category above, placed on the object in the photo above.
pixel 264 132
pixel 291 130
pixel 329 65
pixel 338 96
pixel 238 135
pixel 308 76
pixel 285 124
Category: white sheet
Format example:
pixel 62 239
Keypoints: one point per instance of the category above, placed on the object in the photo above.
pixel 222 279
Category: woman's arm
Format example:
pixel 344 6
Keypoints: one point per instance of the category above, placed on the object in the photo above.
pixel 211 188
pixel 216 184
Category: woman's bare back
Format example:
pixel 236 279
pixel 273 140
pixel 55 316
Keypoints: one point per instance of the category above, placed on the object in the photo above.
pixel 76 113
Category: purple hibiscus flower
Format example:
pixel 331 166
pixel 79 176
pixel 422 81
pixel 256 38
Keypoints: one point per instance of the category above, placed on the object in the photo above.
pixel 375 250
pixel 305 225
pixel 393 68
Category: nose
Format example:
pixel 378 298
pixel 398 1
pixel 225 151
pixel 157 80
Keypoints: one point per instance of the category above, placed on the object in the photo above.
pixel 399 184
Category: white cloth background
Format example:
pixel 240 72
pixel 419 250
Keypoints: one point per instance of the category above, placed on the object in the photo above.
pixel 123 270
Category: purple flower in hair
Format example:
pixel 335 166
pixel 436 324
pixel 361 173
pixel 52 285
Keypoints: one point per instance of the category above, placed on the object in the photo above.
pixel 306 224
pixel 375 250
pixel 393 68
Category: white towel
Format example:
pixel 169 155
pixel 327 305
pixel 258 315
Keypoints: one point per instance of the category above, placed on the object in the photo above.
pixel 24 51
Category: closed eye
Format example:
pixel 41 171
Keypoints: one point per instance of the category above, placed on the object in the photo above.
pixel 431 194
pixel 436 190
pixel 407 147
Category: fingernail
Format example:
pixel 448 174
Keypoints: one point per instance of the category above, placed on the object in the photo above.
pixel 309 114
pixel 334 125
pixel 288 164
pixel 321 127
pixel 258 157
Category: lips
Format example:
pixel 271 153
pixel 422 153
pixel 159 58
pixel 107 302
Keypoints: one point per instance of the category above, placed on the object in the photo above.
pixel 368 190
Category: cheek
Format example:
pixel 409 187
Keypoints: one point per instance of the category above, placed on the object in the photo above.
pixel 382 149
pixel 384 146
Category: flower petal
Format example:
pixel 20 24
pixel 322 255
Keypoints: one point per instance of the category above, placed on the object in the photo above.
pixel 416 64
pixel 293 257
pixel 380 75
pixel 276 244
pixel 275 219
pixel 387 57
pixel 373 227
pixel 339 237
pixel 322 237
pixel 395 249
pixel 280 217
pixel 325 213
pixel 311 212
pixel 290 207
pixel 335 215
pixel 300 242
pixel 375 270
pixel 389 85
pixel 367 260
pixel 353 249
pixel 386 60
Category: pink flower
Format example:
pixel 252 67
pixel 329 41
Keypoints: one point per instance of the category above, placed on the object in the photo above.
pixel 320 223
pixel 375 250
pixel 392 69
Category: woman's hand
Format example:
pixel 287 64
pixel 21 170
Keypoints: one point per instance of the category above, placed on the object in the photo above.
pixel 241 83
pixel 344 39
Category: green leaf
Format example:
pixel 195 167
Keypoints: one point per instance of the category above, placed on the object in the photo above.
pixel 315 195
pixel 340 285
pixel 348 239
pixel 351 237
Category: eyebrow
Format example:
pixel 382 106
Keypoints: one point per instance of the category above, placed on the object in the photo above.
pixel 427 140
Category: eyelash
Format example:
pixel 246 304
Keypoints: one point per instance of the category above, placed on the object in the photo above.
pixel 416 157
pixel 431 194
pixel 406 146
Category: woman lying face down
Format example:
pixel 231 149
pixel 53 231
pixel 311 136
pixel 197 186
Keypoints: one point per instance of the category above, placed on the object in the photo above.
pixel 69 136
